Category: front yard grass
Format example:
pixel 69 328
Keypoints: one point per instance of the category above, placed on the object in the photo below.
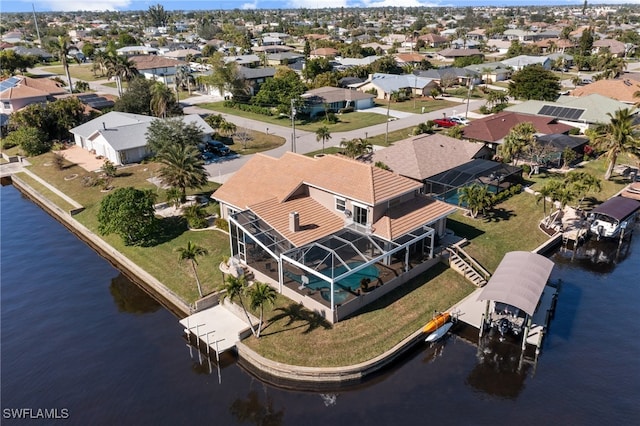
pixel 255 142
pixel 429 105
pixel 79 71
pixel 349 121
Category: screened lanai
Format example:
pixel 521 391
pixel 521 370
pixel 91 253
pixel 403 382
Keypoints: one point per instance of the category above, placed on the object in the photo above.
pixel 496 176
pixel 334 268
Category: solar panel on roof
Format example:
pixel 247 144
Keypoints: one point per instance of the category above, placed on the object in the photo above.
pixel 9 83
pixel 561 112
pixel 88 96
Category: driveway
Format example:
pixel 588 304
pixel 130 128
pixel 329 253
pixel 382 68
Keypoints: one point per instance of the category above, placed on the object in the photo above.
pixel 383 111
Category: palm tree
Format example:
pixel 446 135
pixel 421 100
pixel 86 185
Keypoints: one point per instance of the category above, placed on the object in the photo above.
pixel 227 128
pixel 519 137
pixel 183 77
pixel 61 48
pixel 476 196
pixel 190 253
pixel 356 147
pixel 182 168
pixel 121 68
pixel 619 136
pixel 261 294
pixel 161 98
pixel 548 190
pixel 234 288
pixel 455 132
pixel 582 183
pixel 322 134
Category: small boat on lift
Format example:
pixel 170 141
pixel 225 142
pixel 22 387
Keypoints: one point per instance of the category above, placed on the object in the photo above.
pixel 438 326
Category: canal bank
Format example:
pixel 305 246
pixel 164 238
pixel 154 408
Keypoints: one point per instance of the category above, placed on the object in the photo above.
pixel 248 358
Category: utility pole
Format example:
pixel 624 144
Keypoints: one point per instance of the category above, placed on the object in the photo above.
pixel 468 99
pixel 293 126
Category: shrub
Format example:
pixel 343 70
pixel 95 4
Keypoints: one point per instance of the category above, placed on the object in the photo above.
pixel 7 143
pixel 484 109
pixel 58 160
pixel 222 224
pixel 499 107
pixel 248 108
pixel 345 110
pixel 331 118
pixel 31 140
pixel 526 169
pixel 574 131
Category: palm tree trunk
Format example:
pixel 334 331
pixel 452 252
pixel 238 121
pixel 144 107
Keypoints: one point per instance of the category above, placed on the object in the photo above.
pixel 65 65
pixel 253 330
pixel 260 323
pixel 612 164
pixel 195 273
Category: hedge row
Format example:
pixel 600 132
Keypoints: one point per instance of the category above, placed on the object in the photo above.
pixel 248 108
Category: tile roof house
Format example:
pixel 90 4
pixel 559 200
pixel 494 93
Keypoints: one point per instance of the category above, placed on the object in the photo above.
pixel 121 137
pixel 311 226
pixel 18 92
pixel 615 47
pixel 451 54
pixel 622 90
pixel 324 52
pixel 154 67
pixel 493 129
pixel 423 156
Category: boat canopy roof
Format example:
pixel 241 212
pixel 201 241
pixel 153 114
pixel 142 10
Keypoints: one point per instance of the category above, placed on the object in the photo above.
pixel 519 280
pixel 618 207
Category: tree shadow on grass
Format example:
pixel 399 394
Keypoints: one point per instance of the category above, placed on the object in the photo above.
pixel 463 230
pixel 168 229
pixel 499 215
pixel 294 313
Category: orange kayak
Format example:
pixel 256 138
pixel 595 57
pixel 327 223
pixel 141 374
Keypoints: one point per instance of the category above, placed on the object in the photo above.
pixel 437 322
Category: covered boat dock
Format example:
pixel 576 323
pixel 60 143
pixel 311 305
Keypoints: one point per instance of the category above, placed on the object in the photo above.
pixel 519 292
pixel 609 217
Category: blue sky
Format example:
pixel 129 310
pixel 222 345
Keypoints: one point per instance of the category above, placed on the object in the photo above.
pixel 71 5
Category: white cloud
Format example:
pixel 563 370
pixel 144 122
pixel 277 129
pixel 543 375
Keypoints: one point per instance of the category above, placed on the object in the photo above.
pixel 77 5
pixel 316 4
pixel 253 5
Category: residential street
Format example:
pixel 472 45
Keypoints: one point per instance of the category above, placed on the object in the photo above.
pixel 306 141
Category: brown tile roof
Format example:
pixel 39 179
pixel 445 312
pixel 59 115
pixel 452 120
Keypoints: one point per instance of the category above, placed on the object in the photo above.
pixel 496 127
pixel 619 89
pixel 316 221
pixel 410 57
pixel 324 51
pixel 615 47
pixel 433 38
pixel 271 187
pixel 32 88
pixel 410 215
pixel 458 53
pixel 22 92
pixel 146 62
pixel 424 156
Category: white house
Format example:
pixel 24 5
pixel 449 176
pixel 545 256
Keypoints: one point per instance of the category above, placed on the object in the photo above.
pixel 121 137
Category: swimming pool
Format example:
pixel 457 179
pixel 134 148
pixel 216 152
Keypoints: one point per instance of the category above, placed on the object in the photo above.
pixel 344 286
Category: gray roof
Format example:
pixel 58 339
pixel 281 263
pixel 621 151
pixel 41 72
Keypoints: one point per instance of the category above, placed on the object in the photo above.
pixel 595 107
pixel 392 82
pixel 519 280
pixel 438 73
pixel 423 156
pixel 126 131
pixel 524 60
pixel 254 73
pixel 618 207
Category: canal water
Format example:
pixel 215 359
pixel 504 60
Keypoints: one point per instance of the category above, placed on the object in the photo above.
pixel 79 338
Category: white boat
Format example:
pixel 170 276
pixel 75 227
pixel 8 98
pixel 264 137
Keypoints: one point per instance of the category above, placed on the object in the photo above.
pixel 439 333
pixel 610 217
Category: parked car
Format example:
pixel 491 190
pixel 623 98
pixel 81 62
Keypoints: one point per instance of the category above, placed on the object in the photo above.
pixel 444 122
pixel 216 147
pixel 461 121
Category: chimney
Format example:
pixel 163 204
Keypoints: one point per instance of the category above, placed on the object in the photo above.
pixel 294 222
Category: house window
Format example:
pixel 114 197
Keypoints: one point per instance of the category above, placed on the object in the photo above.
pixel 341 204
pixel 6 105
pixel 359 214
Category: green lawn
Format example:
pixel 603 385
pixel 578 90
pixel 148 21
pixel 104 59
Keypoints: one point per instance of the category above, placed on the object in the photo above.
pixel 350 121
pixel 162 260
pixel 79 71
pixel 254 142
pixel 294 337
